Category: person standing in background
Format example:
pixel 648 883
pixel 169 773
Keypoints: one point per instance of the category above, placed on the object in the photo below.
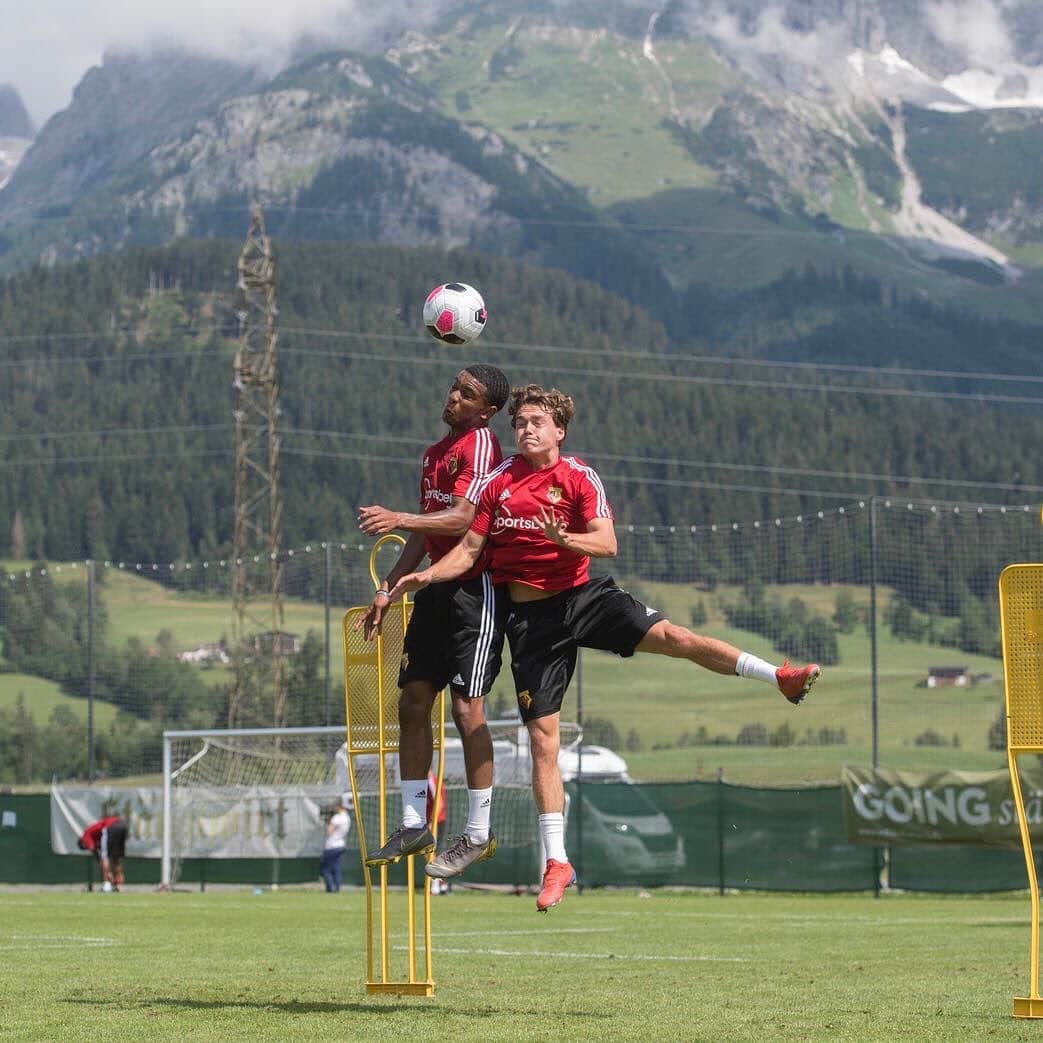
pixel 333 849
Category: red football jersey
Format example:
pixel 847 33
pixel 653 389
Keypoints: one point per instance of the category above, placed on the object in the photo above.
pixel 456 466
pixel 509 514
pixel 92 834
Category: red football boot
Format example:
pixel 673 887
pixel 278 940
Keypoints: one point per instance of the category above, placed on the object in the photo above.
pixel 795 681
pixel 556 877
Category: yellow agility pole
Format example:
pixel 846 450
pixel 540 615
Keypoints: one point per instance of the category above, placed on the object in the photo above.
pixel 1021 627
pixel 371 714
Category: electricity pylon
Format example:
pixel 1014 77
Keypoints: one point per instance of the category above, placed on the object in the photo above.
pixel 260 667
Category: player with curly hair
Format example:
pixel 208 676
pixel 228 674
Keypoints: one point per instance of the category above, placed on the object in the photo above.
pixel 543 516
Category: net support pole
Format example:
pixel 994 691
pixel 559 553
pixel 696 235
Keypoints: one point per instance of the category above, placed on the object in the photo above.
pixel 168 817
pixel 1021 628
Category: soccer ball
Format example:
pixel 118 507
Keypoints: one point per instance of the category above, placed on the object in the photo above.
pixel 454 313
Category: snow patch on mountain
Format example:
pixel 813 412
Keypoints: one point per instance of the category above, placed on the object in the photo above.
pixel 11 152
pixel 1016 87
pixel 889 75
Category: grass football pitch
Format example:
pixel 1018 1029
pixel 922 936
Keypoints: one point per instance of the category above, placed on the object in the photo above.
pixel 287 965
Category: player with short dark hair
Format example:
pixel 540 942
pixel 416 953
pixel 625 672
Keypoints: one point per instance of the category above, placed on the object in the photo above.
pixel 543 516
pixel 106 839
pixel 455 635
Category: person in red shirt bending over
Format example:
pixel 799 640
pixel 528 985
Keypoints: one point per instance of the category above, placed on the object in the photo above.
pixel 455 634
pixel 106 839
pixel 543 516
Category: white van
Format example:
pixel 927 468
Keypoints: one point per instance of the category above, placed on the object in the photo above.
pixel 621 825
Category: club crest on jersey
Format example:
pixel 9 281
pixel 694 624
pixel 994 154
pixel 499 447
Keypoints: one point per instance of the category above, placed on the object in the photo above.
pixel 554 494
pixel 453 464
pixel 525 699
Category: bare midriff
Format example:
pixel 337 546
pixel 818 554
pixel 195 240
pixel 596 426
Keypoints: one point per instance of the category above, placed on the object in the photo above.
pixel 523 592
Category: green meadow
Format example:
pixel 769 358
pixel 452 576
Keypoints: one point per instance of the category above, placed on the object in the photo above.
pixel 657 705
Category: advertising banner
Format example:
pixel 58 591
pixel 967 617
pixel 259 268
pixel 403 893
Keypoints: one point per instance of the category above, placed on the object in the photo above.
pixel 946 807
pixel 214 822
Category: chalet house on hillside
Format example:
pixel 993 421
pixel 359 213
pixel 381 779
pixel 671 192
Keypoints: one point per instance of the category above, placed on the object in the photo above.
pixel 279 641
pixel 941 676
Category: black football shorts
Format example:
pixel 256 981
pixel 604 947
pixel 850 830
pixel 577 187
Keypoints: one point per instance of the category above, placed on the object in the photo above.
pixel 113 841
pixel 545 635
pixel 455 636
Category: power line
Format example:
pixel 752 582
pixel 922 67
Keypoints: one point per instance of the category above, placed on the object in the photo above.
pixel 674 357
pixel 109 457
pixel 695 484
pixel 115 431
pixel 659 461
pixel 656 461
pixel 766 385
pixel 133 356
pixel 677 378
pixel 664 358
pixel 349 210
pixel 808 472
pixel 608 477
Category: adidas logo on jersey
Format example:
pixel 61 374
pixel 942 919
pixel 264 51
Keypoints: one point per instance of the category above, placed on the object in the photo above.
pixel 457 680
pixel 649 611
pixel 505 495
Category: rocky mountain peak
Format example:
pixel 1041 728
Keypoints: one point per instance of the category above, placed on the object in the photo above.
pixel 14 119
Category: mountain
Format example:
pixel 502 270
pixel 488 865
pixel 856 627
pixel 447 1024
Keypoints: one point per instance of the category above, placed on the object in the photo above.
pixel 670 152
pixel 16 131
pixel 14 119
pixel 120 112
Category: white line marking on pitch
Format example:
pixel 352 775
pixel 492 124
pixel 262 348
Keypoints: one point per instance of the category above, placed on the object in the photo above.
pixel 52 941
pixel 797 920
pixel 588 955
pixel 492 934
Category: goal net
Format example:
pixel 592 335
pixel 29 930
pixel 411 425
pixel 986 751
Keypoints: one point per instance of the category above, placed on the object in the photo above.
pixel 246 793
pixel 265 792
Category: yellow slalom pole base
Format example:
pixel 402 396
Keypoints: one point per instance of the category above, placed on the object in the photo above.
pixel 1028 1007
pixel 371 716
pixel 402 988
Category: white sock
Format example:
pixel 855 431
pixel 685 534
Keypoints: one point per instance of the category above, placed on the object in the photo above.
pixel 414 803
pixel 479 808
pixel 552 829
pixel 750 666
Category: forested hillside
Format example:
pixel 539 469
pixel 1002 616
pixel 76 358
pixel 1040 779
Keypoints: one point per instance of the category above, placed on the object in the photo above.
pixel 116 433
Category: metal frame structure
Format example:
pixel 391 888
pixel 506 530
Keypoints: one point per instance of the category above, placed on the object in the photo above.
pixel 1021 626
pixel 371 701
pixel 257 529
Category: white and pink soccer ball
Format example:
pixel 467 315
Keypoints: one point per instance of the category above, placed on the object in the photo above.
pixel 454 313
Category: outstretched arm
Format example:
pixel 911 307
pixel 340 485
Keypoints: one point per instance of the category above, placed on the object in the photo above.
pixel 453 521
pixel 454 564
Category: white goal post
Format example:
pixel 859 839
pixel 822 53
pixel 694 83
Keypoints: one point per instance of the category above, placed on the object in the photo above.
pixel 220 787
pixel 262 792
